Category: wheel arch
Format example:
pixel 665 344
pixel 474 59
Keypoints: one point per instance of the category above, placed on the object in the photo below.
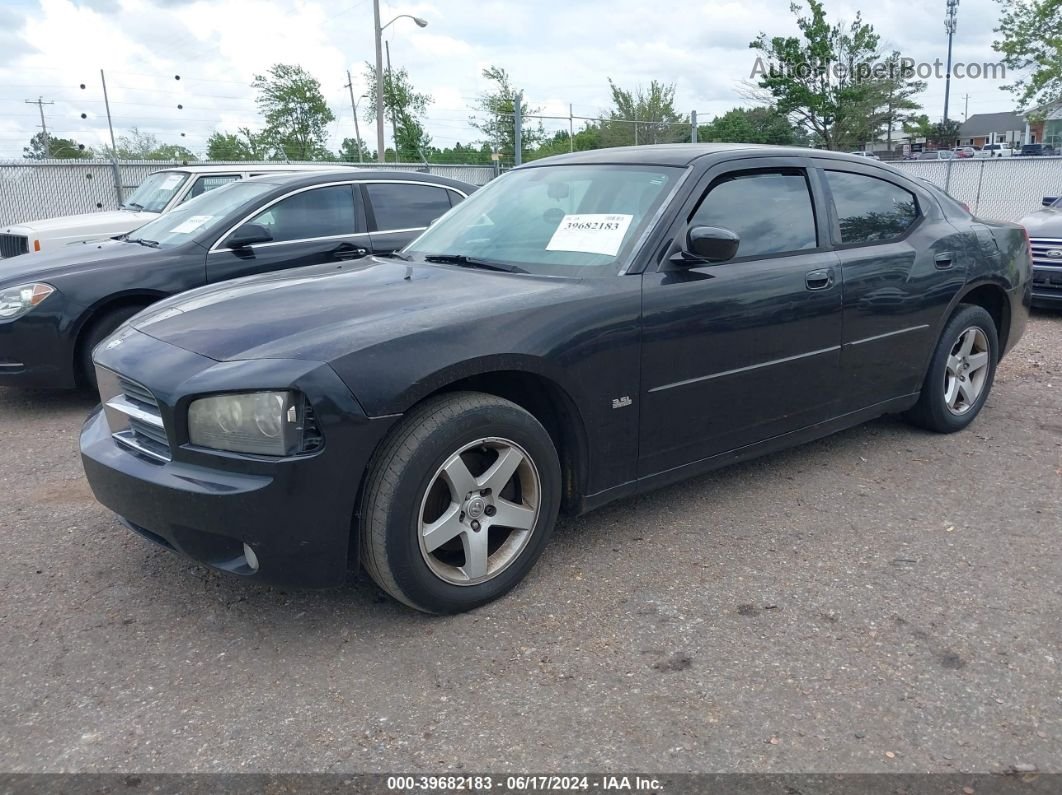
pixel 992 297
pixel 88 318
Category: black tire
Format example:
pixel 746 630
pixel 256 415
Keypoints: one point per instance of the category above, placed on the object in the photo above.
pixel 932 411
pixel 98 329
pixel 398 486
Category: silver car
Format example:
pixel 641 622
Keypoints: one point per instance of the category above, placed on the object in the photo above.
pixel 1045 234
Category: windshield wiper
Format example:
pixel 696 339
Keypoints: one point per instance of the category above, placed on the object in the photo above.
pixel 472 262
pixel 132 206
pixel 143 242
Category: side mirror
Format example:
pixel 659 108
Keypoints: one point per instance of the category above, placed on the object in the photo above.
pixel 1049 200
pixel 248 235
pixel 712 244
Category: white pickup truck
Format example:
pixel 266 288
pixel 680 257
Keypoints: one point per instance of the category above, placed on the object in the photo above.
pixel 161 191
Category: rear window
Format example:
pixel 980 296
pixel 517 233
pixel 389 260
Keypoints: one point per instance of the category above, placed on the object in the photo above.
pixel 398 205
pixel 870 210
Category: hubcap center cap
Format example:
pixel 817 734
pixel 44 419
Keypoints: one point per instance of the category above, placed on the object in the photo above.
pixel 475 507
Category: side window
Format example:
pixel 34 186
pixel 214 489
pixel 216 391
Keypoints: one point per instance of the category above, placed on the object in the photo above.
pixel 771 211
pixel 455 197
pixel 406 206
pixel 870 209
pixel 209 182
pixel 320 212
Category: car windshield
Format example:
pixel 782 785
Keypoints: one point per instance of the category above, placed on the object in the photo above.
pixel 578 220
pixel 156 191
pixel 201 214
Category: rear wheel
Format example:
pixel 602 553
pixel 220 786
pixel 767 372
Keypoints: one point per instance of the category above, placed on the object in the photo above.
pixel 960 373
pixel 459 502
pixel 99 329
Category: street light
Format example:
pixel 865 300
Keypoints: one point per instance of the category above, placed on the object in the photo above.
pixel 379 29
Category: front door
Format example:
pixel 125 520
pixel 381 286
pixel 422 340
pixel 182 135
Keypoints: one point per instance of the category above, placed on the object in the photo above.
pixel 741 351
pixel 399 211
pixel 310 227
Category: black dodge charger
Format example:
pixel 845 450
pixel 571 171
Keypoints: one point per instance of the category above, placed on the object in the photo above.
pixel 583 329
pixel 55 308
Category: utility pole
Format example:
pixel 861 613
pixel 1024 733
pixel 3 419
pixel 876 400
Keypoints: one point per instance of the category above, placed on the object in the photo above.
pixel 518 129
pixel 693 120
pixel 571 129
pixel 966 109
pixel 114 146
pixel 394 118
pixel 40 103
pixel 379 83
pixel 354 107
pixel 950 23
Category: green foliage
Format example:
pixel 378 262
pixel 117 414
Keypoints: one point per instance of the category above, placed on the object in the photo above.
pixel 752 126
pixel 349 152
pixel 496 107
pixel 405 107
pixel 832 80
pixel 651 115
pixel 240 145
pixel 295 112
pixel 57 148
pixel 944 134
pixel 139 145
pixel 1031 44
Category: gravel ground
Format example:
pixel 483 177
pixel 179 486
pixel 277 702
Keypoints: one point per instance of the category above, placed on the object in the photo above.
pixel 883 600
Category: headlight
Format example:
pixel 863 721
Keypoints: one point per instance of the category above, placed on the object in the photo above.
pixel 262 423
pixel 15 301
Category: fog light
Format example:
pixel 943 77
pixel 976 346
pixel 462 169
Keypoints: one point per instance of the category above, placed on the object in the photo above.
pixel 252 559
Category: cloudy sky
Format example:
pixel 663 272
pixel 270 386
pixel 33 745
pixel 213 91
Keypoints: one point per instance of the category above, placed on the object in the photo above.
pixel 560 53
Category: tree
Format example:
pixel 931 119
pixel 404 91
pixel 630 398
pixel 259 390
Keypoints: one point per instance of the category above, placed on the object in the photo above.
pixel 58 148
pixel 139 145
pixel 899 91
pixel 240 145
pixel 406 107
pixel 831 80
pixel 644 116
pixel 1031 44
pixel 944 134
pixel 496 108
pixel 349 152
pixel 295 112
pixel 918 126
pixel 751 126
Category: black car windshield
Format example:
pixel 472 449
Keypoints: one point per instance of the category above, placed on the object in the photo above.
pixel 156 191
pixel 579 220
pixel 207 212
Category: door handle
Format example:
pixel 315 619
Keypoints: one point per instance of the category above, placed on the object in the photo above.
pixel 821 279
pixel 943 260
pixel 349 252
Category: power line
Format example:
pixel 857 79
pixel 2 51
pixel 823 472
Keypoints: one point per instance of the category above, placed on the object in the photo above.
pixel 40 103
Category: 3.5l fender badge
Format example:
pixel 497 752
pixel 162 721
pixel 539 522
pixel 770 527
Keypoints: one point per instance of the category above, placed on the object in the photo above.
pixel 621 402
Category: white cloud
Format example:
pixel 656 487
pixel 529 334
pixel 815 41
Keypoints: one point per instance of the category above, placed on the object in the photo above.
pixel 560 53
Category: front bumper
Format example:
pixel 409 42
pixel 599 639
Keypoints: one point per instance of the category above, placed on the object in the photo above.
pixel 34 352
pixel 295 513
pixel 1047 287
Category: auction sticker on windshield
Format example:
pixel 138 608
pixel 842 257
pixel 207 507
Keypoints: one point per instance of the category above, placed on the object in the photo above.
pixel 591 233
pixel 171 182
pixel 191 224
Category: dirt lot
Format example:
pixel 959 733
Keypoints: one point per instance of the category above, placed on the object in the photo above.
pixel 884 600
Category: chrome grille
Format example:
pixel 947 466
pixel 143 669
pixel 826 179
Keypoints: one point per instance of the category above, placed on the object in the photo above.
pixel 1040 248
pixel 133 416
pixel 13 245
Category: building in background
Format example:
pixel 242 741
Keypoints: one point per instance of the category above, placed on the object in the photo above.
pixel 992 128
pixel 1043 125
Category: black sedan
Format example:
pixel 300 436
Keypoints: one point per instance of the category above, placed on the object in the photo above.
pixel 583 329
pixel 54 308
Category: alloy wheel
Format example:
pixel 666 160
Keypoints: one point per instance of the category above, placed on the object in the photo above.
pixel 966 371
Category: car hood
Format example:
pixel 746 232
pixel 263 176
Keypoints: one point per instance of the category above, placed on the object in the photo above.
pixel 1044 223
pixel 327 311
pixel 111 222
pixel 45 266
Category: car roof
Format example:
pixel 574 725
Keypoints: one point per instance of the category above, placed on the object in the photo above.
pixel 304 179
pixel 684 155
pixel 214 168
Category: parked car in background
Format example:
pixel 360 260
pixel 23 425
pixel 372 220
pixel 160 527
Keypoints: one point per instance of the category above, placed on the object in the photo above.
pixel 1045 236
pixel 584 328
pixel 939 154
pixel 1037 150
pixel 54 308
pixel 869 155
pixel 996 150
pixel 965 151
pixel 161 191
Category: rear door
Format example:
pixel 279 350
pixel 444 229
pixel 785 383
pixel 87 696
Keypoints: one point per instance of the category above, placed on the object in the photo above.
pixel 398 211
pixel 737 352
pixel 324 223
pixel 901 262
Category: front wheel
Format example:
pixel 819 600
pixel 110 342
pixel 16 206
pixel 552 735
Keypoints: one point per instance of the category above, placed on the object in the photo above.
pixel 960 373
pixel 459 502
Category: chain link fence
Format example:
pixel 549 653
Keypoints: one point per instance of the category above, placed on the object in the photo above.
pixel 31 190
pixel 1004 188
